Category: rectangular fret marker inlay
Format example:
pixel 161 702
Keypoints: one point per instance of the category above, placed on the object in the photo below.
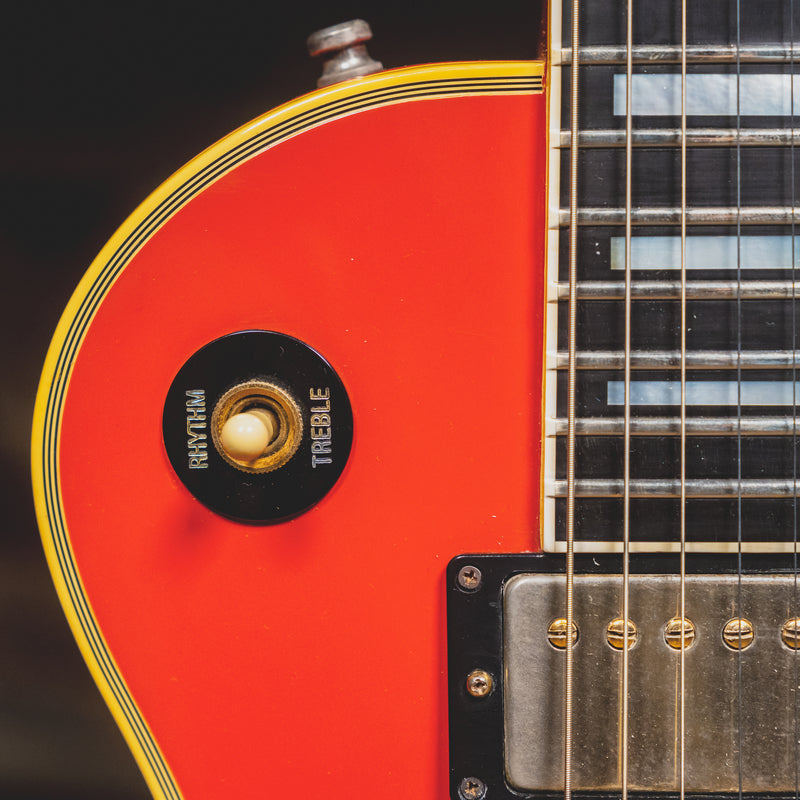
pixel 705 393
pixel 764 95
pixel 707 252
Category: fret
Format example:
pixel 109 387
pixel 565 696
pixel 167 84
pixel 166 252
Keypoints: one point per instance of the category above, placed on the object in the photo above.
pixel 747 215
pixel 670 426
pixel 696 137
pixel 778 53
pixel 671 359
pixel 671 290
pixel 706 488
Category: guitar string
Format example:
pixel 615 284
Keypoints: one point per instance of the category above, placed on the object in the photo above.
pixel 627 402
pixel 682 615
pixel 739 610
pixel 793 611
pixel 571 344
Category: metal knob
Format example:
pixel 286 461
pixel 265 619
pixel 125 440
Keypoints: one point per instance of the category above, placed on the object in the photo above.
pixel 345 53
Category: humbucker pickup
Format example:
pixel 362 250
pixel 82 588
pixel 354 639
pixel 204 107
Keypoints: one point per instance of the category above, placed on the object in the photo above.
pixel 741 662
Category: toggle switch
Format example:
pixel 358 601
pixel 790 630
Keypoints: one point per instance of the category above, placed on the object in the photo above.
pixel 247 435
pixel 257 426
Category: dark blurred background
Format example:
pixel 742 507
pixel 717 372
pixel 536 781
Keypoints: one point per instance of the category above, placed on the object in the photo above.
pixel 101 102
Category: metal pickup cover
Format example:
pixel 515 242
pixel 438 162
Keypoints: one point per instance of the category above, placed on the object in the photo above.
pixel 740 675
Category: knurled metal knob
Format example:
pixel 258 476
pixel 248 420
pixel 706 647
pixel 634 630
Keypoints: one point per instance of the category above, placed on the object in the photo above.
pixel 345 52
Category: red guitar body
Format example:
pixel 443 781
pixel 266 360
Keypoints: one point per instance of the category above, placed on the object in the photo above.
pixel 395 224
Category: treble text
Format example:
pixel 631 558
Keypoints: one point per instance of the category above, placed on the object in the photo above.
pixel 320 424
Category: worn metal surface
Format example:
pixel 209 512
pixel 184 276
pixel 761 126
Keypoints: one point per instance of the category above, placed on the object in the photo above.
pixel 731 733
pixel 695 54
pixel 345 50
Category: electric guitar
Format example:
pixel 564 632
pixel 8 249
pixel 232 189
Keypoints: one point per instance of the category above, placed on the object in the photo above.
pixel 434 434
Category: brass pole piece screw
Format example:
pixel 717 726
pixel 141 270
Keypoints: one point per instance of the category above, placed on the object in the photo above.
pixel 738 633
pixel 557 633
pixel 677 629
pixel 479 683
pixel 615 633
pixel 790 633
pixel 470 578
pixel 472 789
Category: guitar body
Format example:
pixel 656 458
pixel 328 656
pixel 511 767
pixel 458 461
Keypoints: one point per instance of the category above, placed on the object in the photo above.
pixel 396 226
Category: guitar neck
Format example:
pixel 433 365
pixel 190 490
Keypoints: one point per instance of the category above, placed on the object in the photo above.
pixel 740 255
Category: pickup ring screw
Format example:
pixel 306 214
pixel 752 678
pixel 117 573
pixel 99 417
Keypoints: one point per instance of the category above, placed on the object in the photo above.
pixel 472 789
pixel 470 578
pixel 480 683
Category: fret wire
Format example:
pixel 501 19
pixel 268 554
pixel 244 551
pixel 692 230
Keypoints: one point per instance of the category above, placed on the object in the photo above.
pixel 670 488
pixel 572 328
pixel 671 290
pixel 670 426
pixel 674 359
pixel 683 411
pixel 627 405
pixel 672 54
pixel 696 215
pixel 671 137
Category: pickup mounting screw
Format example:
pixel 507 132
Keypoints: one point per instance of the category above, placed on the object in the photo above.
pixel 479 683
pixel 470 578
pixel 472 789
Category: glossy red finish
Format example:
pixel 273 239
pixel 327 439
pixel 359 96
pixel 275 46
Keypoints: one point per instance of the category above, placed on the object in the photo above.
pixel 307 659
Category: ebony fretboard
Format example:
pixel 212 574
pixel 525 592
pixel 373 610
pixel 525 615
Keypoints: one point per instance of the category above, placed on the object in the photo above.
pixel 743 250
